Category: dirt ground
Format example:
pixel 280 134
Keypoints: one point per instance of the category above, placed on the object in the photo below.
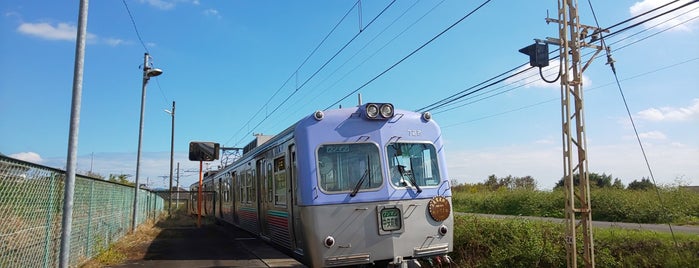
pixel 178 242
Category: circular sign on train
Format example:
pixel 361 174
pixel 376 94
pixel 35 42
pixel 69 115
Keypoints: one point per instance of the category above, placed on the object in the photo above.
pixel 439 208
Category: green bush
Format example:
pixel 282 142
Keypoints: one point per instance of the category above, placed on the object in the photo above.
pixel 486 242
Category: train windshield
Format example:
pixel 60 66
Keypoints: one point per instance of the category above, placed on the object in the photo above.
pixel 349 167
pixel 413 164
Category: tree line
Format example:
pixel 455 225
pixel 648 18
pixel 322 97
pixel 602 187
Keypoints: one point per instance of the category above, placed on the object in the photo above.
pixel 494 183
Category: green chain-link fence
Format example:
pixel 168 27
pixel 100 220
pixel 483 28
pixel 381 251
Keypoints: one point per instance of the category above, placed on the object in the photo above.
pixel 31 204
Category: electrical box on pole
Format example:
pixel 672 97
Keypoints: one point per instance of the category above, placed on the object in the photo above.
pixel 571 40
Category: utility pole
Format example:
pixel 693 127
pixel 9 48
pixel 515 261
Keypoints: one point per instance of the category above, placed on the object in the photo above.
pixel 178 186
pixel 571 40
pixel 572 36
pixel 172 155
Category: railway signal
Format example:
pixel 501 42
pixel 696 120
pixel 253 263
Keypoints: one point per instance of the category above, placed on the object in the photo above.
pixel 202 151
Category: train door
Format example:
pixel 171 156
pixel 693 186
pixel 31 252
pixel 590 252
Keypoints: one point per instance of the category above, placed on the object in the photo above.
pixel 296 224
pixel 261 193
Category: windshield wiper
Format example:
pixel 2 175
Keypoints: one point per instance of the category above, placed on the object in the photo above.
pixel 361 180
pixel 412 177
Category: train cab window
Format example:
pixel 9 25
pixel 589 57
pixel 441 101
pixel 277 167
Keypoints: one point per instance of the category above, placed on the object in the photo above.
pixel 344 167
pixel 413 163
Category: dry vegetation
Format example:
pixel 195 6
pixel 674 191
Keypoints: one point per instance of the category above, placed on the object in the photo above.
pixel 134 246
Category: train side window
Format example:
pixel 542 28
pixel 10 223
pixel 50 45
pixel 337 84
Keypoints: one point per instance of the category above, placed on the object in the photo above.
pixel 280 181
pixel 252 182
pixel 241 187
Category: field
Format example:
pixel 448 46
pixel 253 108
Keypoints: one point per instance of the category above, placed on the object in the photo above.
pixel 486 242
pixel 677 205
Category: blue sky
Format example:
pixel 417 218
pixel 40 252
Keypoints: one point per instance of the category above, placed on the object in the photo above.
pixel 223 61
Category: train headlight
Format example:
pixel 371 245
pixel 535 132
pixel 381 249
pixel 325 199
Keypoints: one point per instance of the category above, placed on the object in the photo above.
pixel 329 241
pixel 380 111
pixel 386 110
pixel 372 110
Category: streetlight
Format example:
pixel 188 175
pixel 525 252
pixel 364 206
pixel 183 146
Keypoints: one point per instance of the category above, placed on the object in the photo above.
pixel 148 72
pixel 172 152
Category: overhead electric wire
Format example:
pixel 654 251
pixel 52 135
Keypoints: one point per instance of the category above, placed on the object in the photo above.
pixel 295 73
pixel 315 73
pixel 610 62
pixel 310 100
pixel 450 99
pixel 133 22
pixel 658 32
pixel 409 55
pixel 651 18
pixel 639 15
pixel 558 98
pixel 138 35
pixel 454 97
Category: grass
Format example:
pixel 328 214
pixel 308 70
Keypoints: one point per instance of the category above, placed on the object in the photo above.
pixel 678 206
pixel 134 245
pixel 486 242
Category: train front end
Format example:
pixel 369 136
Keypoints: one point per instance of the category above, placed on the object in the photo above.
pixel 373 187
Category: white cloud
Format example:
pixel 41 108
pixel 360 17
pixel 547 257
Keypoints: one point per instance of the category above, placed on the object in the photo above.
pixel 646 5
pixel 29 157
pixel 160 4
pixel 114 41
pixel 168 4
pixel 653 135
pixel 61 32
pixel 212 13
pixel 671 113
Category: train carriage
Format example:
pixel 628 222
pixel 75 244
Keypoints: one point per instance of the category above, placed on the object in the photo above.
pixel 353 186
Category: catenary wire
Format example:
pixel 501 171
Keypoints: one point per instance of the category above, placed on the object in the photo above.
pixel 409 55
pixel 133 22
pixel 316 72
pixel 448 100
pixel 611 64
pixel 558 98
pixel 295 73
pixel 314 97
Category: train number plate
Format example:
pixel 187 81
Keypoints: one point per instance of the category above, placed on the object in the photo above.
pixel 390 219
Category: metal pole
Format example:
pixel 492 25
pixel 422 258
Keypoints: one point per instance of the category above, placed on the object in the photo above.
pixel 172 153
pixel 71 161
pixel 199 196
pixel 178 186
pixel 140 136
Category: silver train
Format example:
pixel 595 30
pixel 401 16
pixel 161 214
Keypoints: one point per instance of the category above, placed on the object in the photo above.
pixel 365 185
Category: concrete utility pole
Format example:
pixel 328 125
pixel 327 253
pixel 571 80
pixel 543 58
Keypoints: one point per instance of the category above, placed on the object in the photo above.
pixel 572 36
pixel 72 159
pixel 172 156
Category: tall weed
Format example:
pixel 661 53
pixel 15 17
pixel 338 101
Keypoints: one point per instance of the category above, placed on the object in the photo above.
pixel 487 242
